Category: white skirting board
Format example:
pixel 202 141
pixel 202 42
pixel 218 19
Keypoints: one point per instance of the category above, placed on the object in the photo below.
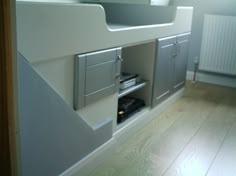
pixel 91 161
pixel 212 79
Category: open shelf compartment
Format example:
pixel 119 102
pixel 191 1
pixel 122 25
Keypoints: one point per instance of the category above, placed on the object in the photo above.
pixel 133 118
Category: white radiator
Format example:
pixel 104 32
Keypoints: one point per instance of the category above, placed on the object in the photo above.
pixel 218 52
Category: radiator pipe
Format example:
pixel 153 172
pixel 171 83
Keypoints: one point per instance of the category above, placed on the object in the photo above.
pixel 196 64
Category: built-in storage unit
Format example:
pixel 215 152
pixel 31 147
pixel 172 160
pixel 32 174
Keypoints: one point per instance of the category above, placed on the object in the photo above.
pixel 160 66
pixel 96 76
pixel 50 39
pixel 170 66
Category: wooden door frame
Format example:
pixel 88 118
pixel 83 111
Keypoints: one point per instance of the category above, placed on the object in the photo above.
pixel 9 160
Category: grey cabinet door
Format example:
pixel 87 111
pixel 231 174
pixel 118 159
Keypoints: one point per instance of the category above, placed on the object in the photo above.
pixel 99 77
pixel 170 66
pixel 96 76
pixel 164 67
pixel 181 61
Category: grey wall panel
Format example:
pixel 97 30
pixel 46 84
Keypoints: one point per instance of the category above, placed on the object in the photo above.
pixel 53 136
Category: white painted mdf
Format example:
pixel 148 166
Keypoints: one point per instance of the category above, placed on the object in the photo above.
pixel 59 75
pixel 52 30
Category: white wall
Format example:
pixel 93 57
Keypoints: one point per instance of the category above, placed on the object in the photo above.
pixel 201 7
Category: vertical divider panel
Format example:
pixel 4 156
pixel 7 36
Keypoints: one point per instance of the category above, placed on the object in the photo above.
pixel 79 83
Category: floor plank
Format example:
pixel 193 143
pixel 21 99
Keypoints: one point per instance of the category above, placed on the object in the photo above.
pixel 198 155
pixel 169 146
pixel 225 161
pixel 183 140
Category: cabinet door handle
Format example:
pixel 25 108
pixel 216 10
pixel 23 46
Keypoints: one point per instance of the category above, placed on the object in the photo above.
pixel 177 48
pixel 175 53
pixel 120 58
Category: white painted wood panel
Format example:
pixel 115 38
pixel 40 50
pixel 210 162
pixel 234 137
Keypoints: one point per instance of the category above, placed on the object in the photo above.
pixel 52 30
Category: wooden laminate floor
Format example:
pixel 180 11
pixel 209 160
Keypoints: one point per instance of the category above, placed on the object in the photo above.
pixel 196 136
